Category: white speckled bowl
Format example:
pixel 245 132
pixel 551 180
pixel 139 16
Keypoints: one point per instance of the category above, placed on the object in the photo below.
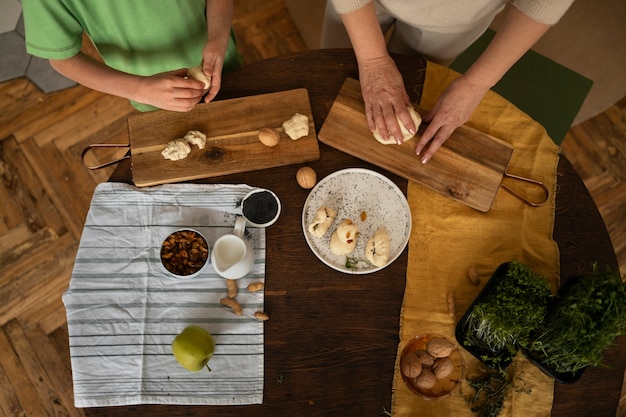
pixel 352 192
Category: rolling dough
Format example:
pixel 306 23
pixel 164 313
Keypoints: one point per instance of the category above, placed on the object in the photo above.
pixel 196 73
pixel 406 135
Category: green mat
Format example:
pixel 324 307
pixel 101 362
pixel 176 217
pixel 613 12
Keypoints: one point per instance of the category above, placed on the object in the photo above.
pixel 544 89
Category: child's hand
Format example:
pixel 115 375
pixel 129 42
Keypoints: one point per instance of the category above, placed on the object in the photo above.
pixel 170 91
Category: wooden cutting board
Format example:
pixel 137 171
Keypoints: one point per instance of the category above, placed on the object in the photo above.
pixel 232 144
pixel 469 167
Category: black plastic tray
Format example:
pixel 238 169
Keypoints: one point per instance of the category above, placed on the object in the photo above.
pixel 461 327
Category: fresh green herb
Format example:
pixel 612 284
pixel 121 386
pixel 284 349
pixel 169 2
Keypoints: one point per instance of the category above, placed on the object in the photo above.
pixel 353 263
pixel 504 320
pixel 585 320
pixel 490 389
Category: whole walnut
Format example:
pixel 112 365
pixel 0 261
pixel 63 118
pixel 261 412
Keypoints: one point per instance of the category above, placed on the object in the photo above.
pixel 410 366
pixel 439 347
pixel 443 367
pixel 424 357
pixel 426 380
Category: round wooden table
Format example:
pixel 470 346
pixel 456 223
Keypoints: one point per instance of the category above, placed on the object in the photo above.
pixel 331 342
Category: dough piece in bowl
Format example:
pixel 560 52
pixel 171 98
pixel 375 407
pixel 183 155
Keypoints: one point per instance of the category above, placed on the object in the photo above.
pixel 297 126
pixel 176 150
pixel 195 137
pixel 406 135
pixel 343 240
pixel 377 248
pixel 324 217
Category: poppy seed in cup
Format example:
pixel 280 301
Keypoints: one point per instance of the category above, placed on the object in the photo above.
pixel 260 208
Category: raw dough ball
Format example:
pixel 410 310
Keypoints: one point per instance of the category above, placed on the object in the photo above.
pixel 377 248
pixel 439 347
pixel 176 150
pixel 196 73
pixel 297 126
pixel 343 241
pixel 306 177
pixel 195 137
pixel 443 367
pixel 411 366
pixel 324 217
pixel 268 137
pixel 426 380
pixel 406 135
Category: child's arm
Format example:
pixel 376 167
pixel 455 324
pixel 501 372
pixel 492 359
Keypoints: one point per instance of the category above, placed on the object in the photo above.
pixel 219 16
pixel 167 90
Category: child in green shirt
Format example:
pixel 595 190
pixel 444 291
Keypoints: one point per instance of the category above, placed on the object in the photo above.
pixel 146 46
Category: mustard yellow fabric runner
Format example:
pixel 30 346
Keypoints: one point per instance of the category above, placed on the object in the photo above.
pixel 448 237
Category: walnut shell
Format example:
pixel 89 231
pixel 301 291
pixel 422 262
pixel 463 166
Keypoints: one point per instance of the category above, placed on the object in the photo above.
pixel 306 177
pixel 439 347
pixel 426 380
pixel 424 357
pixel 410 366
pixel 443 367
pixel 268 137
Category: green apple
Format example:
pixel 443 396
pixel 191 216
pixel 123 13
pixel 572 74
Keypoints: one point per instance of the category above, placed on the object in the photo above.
pixel 193 348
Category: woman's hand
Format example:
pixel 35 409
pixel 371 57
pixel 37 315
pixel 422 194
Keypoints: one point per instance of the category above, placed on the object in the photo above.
pixel 453 108
pixel 385 97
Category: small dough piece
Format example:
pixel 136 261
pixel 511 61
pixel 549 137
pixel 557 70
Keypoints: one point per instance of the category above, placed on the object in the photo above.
pixel 343 240
pixel 377 248
pixel 406 135
pixel 196 73
pixel 297 126
pixel 176 150
pixel 195 137
pixel 324 217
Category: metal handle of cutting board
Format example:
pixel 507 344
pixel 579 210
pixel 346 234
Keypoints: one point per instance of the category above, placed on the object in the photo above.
pixel 104 145
pixel 527 180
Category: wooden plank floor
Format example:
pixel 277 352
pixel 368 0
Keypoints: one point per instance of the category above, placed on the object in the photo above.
pixel 45 193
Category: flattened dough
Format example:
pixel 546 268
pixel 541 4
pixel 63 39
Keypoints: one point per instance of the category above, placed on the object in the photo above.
pixel 297 126
pixel 406 135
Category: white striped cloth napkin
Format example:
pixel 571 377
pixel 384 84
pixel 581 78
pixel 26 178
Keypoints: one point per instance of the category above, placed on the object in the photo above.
pixel 124 309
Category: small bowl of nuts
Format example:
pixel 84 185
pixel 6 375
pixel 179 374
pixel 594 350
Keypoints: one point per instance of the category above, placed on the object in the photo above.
pixel 184 252
pixel 431 366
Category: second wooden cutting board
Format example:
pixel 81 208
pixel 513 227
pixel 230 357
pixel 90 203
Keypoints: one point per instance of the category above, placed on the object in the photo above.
pixel 232 144
pixel 469 167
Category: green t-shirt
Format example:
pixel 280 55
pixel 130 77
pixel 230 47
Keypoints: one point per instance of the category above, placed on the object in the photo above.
pixel 142 37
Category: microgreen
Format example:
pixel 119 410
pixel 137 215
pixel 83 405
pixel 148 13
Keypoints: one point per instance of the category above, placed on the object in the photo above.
pixel 503 321
pixel 585 320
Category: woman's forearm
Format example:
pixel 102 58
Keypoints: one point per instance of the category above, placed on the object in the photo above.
pixel 517 34
pixel 365 33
